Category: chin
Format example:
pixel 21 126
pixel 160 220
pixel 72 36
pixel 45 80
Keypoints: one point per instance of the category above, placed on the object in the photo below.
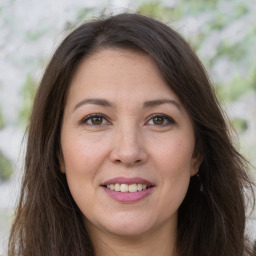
pixel 128 230
pixel 125 225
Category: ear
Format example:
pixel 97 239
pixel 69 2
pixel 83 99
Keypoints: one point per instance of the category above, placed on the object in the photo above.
pixel 195 164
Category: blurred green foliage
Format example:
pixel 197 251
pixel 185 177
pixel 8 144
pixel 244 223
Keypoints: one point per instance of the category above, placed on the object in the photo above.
pixel 2 123
pixel 84 12
pixel 27 93
pixel 159 11
pixel 236 48
pixel 6 169
pixel 34 35
pixel 240 124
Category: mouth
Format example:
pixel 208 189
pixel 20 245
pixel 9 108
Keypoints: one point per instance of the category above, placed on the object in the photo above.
pixel 128 190
pixel 122 187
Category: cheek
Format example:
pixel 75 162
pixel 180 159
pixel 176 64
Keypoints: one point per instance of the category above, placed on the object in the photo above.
pixel 175 173
pixel 174 165
pixel 81 155
pixel 82 161
pixel 175 153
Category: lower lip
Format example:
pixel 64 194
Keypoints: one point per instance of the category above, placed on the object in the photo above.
pixel 128 197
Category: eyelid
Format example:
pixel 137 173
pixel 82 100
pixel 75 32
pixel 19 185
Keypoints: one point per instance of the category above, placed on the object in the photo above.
pixel 84 120
pixel 170 120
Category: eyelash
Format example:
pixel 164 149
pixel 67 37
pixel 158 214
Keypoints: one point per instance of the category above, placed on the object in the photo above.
pixel 167 119
pixel 87 118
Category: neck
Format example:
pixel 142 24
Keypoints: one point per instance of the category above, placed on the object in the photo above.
pixel 160 242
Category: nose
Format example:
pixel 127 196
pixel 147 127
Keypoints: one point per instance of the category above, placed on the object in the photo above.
pixel 128 147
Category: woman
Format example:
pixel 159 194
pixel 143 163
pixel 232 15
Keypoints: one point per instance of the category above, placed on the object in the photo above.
pixel 128 152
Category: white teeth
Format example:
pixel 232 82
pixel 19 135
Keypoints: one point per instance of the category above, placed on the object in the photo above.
pixel 124 188
pixel 127 188
pixel 117 187
pixel 132 188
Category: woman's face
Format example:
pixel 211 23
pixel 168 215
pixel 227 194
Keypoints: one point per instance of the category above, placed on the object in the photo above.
pixel 125 129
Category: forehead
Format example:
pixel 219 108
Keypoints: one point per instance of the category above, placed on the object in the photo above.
pixel 113 62
pixel 117 72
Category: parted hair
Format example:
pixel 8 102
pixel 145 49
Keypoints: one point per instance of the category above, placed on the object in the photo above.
pixel 210 222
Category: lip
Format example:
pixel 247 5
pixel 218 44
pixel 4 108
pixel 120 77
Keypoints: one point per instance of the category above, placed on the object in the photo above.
pixel 128 197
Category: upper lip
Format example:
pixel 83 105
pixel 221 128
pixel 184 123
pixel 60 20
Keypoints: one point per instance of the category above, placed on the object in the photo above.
pixel 125 180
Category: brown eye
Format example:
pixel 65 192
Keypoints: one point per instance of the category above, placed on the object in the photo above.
pixel 95 120
pixel 158 120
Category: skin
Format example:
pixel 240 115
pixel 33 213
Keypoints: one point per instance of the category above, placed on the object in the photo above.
pixel 125 140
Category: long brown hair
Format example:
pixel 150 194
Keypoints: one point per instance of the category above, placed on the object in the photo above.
pixel 210 222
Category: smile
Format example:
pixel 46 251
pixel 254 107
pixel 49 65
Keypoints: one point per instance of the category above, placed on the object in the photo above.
pixel 127 188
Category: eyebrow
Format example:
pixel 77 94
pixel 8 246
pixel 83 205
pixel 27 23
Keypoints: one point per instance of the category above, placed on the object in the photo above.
pixel 146 104
pixel 94 101
pixel 158 102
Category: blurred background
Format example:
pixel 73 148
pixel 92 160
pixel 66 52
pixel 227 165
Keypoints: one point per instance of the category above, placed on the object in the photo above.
pixel 222 32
